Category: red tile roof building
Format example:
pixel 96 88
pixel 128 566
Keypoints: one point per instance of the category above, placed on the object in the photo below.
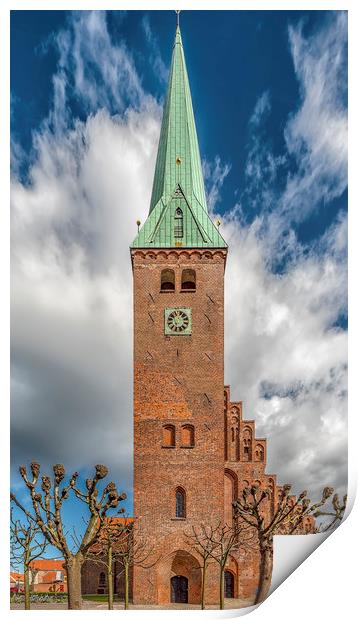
pixel 48 576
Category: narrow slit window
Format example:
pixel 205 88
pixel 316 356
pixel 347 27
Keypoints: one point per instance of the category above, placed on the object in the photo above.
pixel 180 504
pixel 178 224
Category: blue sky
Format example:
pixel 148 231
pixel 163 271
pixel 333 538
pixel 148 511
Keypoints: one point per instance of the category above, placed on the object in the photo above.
pixel 269 91
pixel 243 55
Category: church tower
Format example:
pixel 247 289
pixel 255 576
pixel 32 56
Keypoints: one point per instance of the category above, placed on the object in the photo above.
pixel 178 260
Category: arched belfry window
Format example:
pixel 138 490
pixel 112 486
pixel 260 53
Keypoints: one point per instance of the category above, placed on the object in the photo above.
pixel 167 280
pixel 180 503
pixel 188 280
pixel 168 435
pixel 187 435
pixel 178 223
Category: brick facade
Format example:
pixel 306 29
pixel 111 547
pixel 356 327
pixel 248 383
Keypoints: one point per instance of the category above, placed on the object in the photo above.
pixel 178 381
pixel 193 449
pixel 94 579
pixel 179 385
pixel 48 576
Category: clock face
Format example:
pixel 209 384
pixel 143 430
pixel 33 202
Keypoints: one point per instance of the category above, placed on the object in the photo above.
pixel 177 321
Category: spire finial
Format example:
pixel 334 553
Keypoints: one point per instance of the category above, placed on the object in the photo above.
pixel 177 12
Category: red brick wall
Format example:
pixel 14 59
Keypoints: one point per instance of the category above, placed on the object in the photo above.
pixel 177 380
pixel 54 586
pixel 90 579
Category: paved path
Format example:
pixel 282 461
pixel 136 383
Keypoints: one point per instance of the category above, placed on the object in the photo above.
pixel 232 603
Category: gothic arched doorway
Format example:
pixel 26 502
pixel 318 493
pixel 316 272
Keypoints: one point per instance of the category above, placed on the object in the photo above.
pixel 171 572
pixel 229 584
pixel 179 589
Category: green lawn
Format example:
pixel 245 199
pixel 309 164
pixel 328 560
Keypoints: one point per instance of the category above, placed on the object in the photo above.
pixel 98 598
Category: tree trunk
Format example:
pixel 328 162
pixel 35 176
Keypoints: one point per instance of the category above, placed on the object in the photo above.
pixel 110 578
pixel 222 574
pixel 27 586
pixel 266 563
pixel 73 568
pixel 203 585
pixel 126 585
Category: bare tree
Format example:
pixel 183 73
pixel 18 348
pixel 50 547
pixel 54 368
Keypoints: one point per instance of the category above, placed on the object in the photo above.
pixel 102 552
pixel 337 514
pixel 26 544
pixel 47 510
pixel 288 515
pixel 218 543
pixel 203 545
pixel 130 550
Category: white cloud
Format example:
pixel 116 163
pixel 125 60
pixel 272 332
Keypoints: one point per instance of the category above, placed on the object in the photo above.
pixel 72 225
pixel 315 137
pixel 317 134
pixel 215 174
pixel 288 361
pixel 320 65
pixel 262 108
pixel 285 360
pixel 155 58
pixel 71 278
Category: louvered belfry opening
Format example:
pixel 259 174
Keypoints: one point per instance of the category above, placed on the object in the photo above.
pixel 167 280
pixel 188 280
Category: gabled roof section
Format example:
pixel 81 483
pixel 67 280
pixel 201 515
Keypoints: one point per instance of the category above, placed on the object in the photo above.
pixel 47 564
pixel 178 180
pixel 161 227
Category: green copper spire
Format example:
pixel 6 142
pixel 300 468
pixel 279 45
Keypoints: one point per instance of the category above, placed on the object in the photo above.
pixel 178 214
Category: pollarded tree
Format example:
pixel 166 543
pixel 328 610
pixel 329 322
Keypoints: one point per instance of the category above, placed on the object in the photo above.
pixel 202 544
pixel 226 540
pixel 130 550
pixel 288 516
pixel 27 543
pixel 218 543
pixel 337 514
pixel 103 551
pixel 47 510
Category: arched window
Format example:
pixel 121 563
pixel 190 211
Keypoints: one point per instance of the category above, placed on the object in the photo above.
pixel 167 280
pixel 101 583
pixel 102 579
pixel 229 584
pixel 247 445
pixel 259 453
pixel 168 435
pixel 188 280
pixel 178 223
pixel 180 503
pixel 187 435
